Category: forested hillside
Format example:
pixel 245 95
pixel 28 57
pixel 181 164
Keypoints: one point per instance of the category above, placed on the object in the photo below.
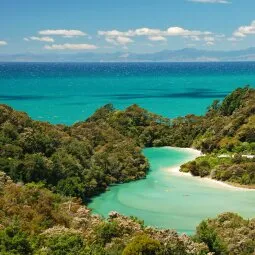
pixel 35 221
pixel 228 125
pixel 74 161
pixel 228 128
pixel 228 139
pixel 84 159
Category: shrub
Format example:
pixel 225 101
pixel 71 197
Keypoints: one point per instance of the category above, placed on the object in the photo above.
pixel 206 234
pixel 107 230
pixel 143 245
pixel 14 241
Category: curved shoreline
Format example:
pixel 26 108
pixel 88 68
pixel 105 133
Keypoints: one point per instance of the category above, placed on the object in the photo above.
pixel 179 200
pixel 196 153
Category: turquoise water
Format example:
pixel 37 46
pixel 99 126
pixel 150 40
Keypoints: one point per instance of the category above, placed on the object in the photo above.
pixel 70 92
pixel 167 200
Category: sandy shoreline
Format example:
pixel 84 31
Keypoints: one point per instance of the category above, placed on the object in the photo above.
pixel 194 154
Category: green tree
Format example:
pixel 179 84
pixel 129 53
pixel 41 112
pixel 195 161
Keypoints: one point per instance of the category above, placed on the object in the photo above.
pixel 62 244
pixel 14 241
pixel 143 245
pixel 106 231
pixel 206 234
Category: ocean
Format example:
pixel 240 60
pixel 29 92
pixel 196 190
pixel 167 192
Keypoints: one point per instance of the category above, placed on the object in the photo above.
pixel 70 92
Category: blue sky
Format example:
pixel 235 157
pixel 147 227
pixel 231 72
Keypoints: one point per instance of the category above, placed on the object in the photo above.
pixel 44 26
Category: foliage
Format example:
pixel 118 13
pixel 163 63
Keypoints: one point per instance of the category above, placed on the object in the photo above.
pixel 144 245
pixel 35 221
pixel 233 101
pixel 227 234
pixel 14 241
pixel 235 168
pixel 207 235
pixel 106 231
pixel 35 207
pixel 62 244
pixel 81 160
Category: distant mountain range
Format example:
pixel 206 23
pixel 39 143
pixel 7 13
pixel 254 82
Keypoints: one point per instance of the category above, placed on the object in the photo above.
pixel 183 55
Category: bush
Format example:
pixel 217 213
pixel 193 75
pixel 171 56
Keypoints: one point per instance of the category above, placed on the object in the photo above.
pixel 14 241
pixel 143 245
pixel 106 231
pixel 206 234
pixel 204 168
pixel 62 244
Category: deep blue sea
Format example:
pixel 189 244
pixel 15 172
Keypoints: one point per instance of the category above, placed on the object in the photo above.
pixel 70 92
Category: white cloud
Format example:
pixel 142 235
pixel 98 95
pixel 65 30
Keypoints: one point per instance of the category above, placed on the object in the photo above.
pixel 211 1
pixel 111 40
pixel 123 40
pixel 209 39
pixel 243 31
pixel 209 43
pixel 115 33
pixel 193 38
pixel 171 31
pixel 124 37
pixel 3 43
pixel 157 38
pixel 119 40
pixel 68 46
pixel 41 39
pixel 146 31
pixel 179 31
pixel 62 32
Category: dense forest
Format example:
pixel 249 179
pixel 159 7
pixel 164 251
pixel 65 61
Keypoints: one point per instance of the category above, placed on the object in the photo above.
pixel 236 169
pixel 228 140
pixel 35 221
pixel 76 161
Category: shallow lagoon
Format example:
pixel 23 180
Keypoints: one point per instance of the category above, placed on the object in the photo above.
pixel 168 200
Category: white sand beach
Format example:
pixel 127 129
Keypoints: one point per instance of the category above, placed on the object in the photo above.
pixel 194 154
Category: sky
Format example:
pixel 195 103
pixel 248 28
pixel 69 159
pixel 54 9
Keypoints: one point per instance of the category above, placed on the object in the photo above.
pixel 140 26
